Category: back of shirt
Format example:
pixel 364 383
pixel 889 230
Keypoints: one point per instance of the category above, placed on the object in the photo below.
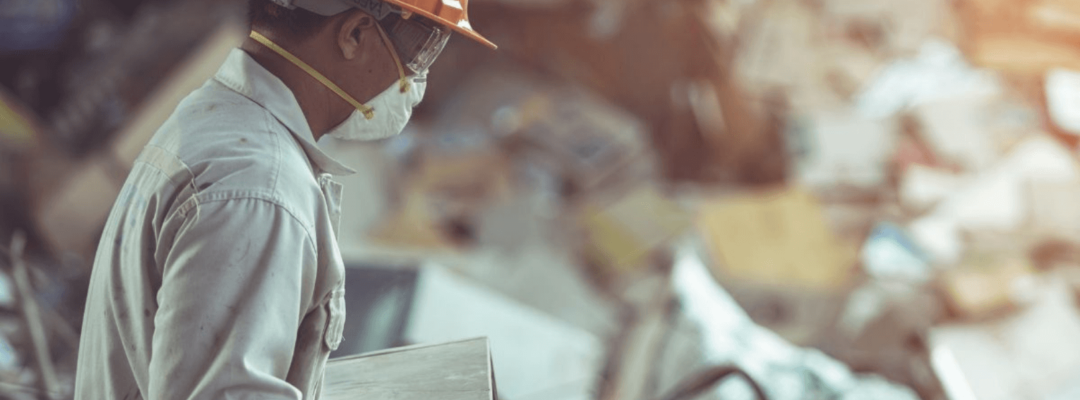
pixel 217 274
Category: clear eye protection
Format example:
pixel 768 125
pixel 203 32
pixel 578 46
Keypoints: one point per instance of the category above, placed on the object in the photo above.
pixel 417 41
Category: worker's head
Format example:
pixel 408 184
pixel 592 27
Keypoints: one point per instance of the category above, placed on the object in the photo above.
pixel 374 54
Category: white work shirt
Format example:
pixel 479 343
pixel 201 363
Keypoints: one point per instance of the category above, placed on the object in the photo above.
pixel 218 274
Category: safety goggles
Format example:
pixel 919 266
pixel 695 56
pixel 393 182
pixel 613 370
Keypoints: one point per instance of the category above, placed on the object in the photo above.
pixel 417 40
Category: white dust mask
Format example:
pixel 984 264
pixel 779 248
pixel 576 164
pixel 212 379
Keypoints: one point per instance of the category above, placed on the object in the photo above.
pixel 387 113
pixel 392 111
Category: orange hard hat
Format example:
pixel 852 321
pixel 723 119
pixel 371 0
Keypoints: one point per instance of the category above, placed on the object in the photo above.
pixel 453 14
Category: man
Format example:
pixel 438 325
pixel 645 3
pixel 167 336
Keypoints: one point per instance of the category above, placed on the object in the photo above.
pixel 218 274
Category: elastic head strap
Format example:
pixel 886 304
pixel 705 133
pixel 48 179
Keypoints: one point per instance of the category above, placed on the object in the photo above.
pixel 368 112
pixel 403 83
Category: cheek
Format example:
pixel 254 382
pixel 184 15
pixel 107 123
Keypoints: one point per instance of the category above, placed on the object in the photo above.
pixel 371 73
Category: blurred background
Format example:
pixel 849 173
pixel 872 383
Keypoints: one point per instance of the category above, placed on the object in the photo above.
pixel 845 199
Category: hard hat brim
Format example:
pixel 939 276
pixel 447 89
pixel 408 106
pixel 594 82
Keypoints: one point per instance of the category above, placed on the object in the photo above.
pixel 464 30
pixel 330 8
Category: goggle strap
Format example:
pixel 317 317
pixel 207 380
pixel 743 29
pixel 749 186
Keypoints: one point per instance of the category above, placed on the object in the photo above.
pixel 368 112
pixel 403 83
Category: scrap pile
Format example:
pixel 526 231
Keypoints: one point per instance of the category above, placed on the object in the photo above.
pixel 884 182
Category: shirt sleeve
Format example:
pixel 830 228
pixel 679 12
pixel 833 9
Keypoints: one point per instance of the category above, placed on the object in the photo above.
pixel 235 286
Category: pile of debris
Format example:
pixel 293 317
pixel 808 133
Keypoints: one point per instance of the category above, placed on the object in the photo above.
pixel 864 178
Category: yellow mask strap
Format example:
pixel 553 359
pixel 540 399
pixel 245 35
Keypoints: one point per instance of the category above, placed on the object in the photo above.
pixel 368 112
pixel 403 83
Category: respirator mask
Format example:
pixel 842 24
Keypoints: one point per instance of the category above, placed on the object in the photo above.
pixel 414 43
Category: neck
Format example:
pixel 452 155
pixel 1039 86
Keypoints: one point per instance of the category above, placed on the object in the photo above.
pixel 321 107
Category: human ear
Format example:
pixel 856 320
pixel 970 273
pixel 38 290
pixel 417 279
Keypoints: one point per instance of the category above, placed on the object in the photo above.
pixel 356 24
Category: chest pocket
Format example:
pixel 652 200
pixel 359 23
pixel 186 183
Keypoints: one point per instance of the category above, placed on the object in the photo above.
pixel 335 324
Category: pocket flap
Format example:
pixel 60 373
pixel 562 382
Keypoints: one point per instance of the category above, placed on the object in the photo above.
pixel 335 325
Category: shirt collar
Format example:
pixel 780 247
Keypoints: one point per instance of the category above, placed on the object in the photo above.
pixel 243 74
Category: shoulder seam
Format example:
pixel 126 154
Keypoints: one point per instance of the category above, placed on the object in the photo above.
pixel 266 199
pixel 154 165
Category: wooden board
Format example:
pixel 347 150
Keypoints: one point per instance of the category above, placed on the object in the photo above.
pixel 450 371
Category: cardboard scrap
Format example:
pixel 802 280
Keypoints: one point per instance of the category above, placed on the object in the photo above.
pixel 623 233
pixel 780 238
